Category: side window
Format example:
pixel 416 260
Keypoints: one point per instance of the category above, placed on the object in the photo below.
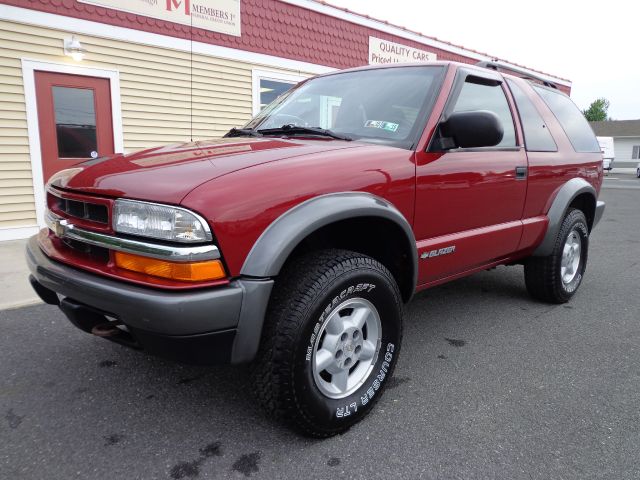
pixel 570 117
pixel 537 137
pixel 474 96
pixel 635 154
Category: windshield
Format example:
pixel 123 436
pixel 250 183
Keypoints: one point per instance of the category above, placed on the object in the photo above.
pixel 387 105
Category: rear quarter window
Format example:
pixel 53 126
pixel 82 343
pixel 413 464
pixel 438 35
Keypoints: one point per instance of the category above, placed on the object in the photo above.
pixel 537 137
pixel 571 119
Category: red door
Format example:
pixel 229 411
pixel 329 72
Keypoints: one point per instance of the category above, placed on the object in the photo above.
pixel 469 202
pixel 74 117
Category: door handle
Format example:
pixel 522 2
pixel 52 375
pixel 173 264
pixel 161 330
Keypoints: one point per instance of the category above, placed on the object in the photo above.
pixel 521 173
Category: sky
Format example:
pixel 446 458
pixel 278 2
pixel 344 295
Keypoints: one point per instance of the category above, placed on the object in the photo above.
pixel 596 48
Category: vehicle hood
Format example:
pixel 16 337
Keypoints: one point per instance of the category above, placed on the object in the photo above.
pixel 167 174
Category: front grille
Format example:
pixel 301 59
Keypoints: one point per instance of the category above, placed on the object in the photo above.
pixel 92 212
pixel 97 253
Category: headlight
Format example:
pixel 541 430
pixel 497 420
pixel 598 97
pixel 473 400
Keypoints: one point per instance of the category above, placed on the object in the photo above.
pixel 163 222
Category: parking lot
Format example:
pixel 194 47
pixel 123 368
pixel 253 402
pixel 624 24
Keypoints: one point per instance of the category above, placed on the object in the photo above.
pixel 490 384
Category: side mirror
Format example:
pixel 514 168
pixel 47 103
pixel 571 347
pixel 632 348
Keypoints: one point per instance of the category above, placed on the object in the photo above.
pixel 473 129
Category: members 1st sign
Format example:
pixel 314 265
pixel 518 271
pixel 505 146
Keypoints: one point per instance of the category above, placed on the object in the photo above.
pixel 383 51
pixel 221 16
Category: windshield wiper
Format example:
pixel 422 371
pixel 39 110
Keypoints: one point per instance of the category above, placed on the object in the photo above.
pixel 242 132
pixel 294 129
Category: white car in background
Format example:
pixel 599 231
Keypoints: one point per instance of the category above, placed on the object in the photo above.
pixel 608 153
pixel 638 170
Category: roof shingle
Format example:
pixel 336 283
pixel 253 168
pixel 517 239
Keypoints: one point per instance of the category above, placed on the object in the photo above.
pixel 616 128
pixel 270 27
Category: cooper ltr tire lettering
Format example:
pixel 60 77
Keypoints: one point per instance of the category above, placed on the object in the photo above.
pixel 331 341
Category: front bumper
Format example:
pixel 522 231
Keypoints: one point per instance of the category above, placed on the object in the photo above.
pixel 204 326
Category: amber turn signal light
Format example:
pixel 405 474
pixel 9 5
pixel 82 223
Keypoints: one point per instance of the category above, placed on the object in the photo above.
pixel 186 272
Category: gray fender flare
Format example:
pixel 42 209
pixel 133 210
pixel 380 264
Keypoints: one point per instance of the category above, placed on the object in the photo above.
pixel 273 247
pixel 567 193
pixel 276 243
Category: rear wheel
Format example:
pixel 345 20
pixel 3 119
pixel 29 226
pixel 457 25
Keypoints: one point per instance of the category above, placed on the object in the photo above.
pixel 331 341
pixel 556 278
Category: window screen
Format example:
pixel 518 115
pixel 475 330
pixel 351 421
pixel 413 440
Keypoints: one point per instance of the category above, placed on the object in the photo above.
pixel 570 117
pixel 537 137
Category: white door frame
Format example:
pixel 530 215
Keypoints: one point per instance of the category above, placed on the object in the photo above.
pixel 29 67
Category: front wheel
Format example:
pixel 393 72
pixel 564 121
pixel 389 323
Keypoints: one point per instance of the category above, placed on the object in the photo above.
pixel 331 341
pixel 556 278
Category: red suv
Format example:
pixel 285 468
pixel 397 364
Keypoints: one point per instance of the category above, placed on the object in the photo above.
pixel 295 241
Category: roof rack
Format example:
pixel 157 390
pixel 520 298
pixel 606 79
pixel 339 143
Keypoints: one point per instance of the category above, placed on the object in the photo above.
pixel 522 73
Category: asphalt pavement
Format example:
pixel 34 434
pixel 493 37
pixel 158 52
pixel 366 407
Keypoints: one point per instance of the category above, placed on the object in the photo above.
pixel 490 384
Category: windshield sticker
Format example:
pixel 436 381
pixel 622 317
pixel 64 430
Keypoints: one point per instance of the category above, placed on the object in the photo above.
pixel 388 126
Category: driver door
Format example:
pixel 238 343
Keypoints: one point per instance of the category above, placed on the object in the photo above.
pixel 469 201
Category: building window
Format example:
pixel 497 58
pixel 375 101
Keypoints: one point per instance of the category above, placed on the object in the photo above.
pixel 75 119
pixel 636 152
pixel 272 89
pixel 267 86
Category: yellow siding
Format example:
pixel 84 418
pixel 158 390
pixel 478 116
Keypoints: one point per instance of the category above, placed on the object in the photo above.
pixel 17 199
pixel 16 207
pixel 14 182
pixel 16 216
pixel 25 219
pixel 155 88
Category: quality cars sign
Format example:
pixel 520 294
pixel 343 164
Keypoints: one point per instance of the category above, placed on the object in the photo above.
pixel 216 15
pixel 383 51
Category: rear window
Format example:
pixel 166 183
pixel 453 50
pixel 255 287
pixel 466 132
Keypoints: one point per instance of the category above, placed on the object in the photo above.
pixel 537 137
pixel 571 119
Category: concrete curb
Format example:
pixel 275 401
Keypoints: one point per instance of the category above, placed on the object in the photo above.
pixel 20 304
pixel 14 275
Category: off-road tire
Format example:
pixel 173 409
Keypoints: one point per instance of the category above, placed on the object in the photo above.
pixel 304 291
pixel 542 274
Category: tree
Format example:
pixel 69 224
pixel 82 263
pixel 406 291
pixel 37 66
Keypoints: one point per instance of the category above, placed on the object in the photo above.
pixel 597 111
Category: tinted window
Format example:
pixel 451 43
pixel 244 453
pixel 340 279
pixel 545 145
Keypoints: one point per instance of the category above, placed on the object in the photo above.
pixel 75 122
pixel 386 105
pixel 474 96
pixel 537 137
pixel 573 122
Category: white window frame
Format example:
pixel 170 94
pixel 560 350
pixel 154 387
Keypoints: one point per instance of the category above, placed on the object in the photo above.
pixel 326 110
pixel 258 74
pixel 29 67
